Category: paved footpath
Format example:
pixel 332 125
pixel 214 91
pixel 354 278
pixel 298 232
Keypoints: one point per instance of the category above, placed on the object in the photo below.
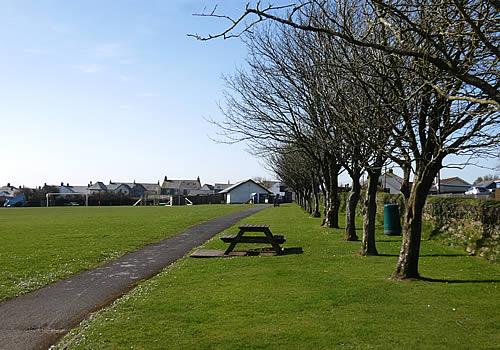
pixel 38 319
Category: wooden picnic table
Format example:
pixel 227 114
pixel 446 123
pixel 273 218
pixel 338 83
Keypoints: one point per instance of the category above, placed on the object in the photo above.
pixel 268 237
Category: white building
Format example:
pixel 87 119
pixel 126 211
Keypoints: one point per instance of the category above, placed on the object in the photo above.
pixel 244 191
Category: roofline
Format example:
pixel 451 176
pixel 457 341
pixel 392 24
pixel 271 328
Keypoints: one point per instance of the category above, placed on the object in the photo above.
pixel 232 187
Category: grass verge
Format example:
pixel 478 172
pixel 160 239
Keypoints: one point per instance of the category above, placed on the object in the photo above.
pixel 327 297
pixel 42 245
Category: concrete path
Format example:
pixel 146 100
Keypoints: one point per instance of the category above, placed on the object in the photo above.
pixel 38 319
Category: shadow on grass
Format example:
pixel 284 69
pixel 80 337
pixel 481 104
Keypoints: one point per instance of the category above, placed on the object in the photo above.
pixel 442 280
pixel 293 250
pixel 428 255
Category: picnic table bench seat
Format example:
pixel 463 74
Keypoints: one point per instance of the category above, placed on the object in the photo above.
pixel 280 239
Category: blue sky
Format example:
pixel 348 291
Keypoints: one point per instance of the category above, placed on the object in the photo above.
pixel 100 90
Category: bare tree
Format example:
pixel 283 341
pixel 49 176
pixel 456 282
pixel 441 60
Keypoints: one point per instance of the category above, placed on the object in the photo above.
pixel 443 62
pixel 470 27
pixel 273 104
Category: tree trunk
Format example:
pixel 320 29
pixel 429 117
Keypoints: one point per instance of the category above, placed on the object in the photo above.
pixel 309 203
pixel 300 199
pixel 352 202
pixel 316 212
pixel 405 186
pixel 332 204
pixel 368 246
pixel 407 266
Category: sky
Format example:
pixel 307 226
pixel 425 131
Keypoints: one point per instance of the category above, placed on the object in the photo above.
pixel 116 90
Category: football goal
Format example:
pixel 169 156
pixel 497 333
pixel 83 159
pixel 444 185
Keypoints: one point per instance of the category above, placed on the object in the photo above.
pixel 55 194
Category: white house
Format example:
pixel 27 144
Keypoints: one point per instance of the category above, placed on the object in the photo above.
pixel 244 191
pixel 391 182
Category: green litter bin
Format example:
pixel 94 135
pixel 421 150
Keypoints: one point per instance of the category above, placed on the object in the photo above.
pixel 392 223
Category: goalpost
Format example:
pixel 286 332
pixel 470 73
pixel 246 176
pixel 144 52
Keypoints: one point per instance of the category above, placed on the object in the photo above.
pixel 54 194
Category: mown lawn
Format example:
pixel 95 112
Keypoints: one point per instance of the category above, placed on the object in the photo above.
pixel 327 297
pixel 42 245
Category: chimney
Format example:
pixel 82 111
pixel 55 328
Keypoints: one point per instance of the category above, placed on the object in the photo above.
pixel 67 184
pixel 228 182
pixel 158 182
pixel 165 179
pixel 134 181
pixel 198 179
pixel 62 183
pixel 44 184
pixel 110 182
pixel 8 184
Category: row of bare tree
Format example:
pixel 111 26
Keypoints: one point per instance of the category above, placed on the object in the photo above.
pixel 353 85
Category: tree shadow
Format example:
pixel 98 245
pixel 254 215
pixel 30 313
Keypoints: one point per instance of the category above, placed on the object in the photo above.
pixel 443 280
pixel 429 255
pixel 293 250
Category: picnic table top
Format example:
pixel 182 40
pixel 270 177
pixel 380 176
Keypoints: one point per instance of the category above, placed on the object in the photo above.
pixel 263 226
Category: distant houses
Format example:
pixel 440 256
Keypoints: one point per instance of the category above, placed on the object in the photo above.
pixel 129 189
pixel 280 189
pixel 11 196
pixel 67 189
pixel 391 183
pixel 168 192
pixel 490 185
pixel 191 191
pixel 8 191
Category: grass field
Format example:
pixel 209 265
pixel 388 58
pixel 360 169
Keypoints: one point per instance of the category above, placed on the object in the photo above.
pixel 41 245
pixel 327 297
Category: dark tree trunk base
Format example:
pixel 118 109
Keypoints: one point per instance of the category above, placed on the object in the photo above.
pixel 351 238
pixel 399 278
pixel 365 253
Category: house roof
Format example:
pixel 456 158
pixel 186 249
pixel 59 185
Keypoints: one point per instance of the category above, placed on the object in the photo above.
pixel 77 189
pixel 210 187
pixel 232 187
pixel 113 186
pixel 150 186
pixel 98 186
pixel 221 186
pixel 487 183
pixel 131 184
pixel 9 190
pixel 455 181
pixel 181 184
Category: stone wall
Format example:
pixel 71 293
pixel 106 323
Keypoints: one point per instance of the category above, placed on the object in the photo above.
pixel 469 223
